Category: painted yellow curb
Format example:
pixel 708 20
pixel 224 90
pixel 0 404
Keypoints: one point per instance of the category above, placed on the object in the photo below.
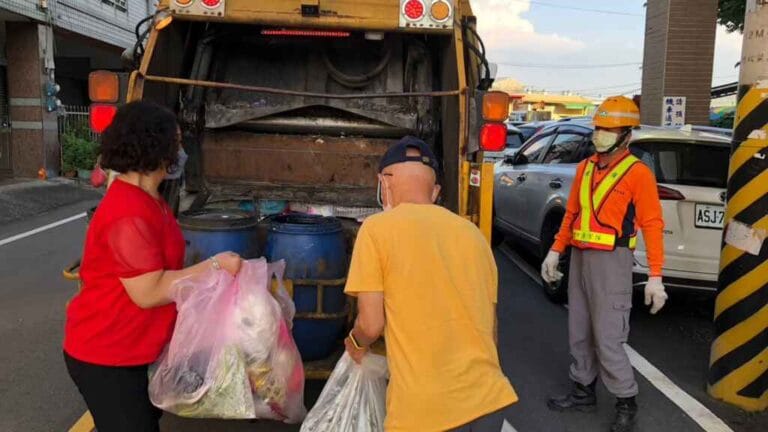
pixel 85 424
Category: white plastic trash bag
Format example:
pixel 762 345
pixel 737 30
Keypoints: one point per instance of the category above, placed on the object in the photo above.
pixel 232 355
pixel 353 400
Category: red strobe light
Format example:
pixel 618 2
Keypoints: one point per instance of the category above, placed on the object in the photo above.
pixel 211 3
pixel 414 10
pixel 305 33
pixel 493 137
pixel 101 116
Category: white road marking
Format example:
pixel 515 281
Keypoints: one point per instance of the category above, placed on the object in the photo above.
pixel 23 235
pixel 700 414
pixel 521 264
pixel 506 427
pixel 695 410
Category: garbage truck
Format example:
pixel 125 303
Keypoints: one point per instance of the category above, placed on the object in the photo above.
pixel 296 100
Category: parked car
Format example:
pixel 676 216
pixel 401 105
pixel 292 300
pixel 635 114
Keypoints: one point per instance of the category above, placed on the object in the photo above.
pixel 708 129
pixel 530 129
pixel 532 188
pixel 514 142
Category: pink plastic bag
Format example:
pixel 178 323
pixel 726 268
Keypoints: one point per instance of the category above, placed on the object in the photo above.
pixel 232 354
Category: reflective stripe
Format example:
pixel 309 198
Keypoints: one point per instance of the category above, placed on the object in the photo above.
pixel 608 183
pixel 595 237
pixel 585 196
pixel 590 201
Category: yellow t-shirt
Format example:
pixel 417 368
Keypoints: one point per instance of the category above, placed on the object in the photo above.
pixel 439 280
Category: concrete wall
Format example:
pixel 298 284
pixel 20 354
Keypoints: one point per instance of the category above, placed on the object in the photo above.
pixel 678 57
pixel 33 130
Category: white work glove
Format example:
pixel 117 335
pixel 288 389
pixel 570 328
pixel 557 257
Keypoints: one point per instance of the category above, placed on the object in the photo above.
pixel 549 271
pixel 655 294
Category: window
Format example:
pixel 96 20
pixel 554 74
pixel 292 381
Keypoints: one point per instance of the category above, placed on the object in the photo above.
pixel 686 163
pixel 527 131
pixel 514 140
pixel 534 150
pixel 564 149
pixel 117 4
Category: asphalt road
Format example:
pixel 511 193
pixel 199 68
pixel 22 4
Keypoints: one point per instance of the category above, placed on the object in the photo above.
pixel 37 395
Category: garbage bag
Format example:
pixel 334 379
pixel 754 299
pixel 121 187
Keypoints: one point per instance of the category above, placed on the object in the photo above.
pixel 353 400
pixel 232 355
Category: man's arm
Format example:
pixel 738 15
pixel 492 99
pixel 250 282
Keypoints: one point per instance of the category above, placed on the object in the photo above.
pixel 650 218
pixel 366 282
pixel 370 318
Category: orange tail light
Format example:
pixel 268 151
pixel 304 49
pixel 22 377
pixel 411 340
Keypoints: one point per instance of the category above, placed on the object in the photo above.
pixel 103 87
pixel 496 106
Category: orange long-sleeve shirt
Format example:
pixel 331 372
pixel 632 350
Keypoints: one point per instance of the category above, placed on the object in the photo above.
pixel 638 186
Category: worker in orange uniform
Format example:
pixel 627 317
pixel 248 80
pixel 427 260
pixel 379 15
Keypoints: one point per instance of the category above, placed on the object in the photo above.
pixel 613 195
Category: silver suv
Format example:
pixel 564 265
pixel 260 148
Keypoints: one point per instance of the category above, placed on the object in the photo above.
pixel 531 190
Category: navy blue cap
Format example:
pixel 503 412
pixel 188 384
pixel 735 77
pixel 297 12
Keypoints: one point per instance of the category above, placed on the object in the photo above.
pixel 398 153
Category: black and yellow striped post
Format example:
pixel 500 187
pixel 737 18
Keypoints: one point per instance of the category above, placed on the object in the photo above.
pixel 738 371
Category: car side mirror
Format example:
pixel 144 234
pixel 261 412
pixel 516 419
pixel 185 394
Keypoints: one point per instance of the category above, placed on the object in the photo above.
pixel 518 159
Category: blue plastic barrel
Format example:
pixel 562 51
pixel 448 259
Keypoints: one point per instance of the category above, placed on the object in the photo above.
pixel 315 253
pixel 211 231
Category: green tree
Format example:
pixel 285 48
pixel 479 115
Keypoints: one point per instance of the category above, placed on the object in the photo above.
pixel 730 13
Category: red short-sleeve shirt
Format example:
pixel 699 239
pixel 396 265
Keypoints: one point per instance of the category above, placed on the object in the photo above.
pixel 130 234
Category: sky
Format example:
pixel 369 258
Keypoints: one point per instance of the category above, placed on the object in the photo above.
pixel 520 34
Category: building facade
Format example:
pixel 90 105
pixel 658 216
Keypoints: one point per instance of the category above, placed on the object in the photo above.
pixel 48 42
pixel 678 56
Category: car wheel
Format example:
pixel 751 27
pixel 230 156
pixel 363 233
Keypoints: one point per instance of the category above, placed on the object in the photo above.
pixel 557 292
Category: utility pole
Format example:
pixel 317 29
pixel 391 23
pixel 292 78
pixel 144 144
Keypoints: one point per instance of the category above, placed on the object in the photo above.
pixel 738 372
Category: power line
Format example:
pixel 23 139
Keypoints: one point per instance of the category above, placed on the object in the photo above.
pixel 569 66
pixel 618 86
pixel 558 6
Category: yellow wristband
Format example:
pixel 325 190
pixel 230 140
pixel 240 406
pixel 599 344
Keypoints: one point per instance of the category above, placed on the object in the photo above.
pixel 354 341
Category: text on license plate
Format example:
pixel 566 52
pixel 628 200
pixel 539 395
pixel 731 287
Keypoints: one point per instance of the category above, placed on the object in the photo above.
pixel 709 216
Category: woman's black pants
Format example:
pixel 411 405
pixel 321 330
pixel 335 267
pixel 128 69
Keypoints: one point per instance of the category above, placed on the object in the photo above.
pixel 117 397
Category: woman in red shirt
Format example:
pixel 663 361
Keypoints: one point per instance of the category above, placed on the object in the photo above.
pixel 134 250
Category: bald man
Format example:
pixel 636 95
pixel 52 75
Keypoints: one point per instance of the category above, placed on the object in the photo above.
pixel 432 275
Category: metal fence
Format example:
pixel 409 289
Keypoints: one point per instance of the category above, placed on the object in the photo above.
pixel 76 119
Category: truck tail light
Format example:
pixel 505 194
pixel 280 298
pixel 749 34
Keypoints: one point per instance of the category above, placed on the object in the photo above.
pixel 440 11
pixel 103 87
pixel 493 137
pixel 495 106
pixel 183 3
pixel 414 9
pixel 102 116
pixel 211 3
pixel 670 194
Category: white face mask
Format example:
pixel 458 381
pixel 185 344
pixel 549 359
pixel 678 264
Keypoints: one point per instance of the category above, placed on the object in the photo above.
pixel 384 204
pixel 178 169
pixel 604 140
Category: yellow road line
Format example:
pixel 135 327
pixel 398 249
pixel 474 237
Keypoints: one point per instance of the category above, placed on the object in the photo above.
pixel 85 424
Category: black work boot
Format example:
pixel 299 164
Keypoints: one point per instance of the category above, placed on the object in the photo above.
pixel 626 410
pixel 581 398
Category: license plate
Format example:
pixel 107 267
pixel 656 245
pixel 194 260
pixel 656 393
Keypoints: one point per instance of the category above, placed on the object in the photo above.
pixel 709 216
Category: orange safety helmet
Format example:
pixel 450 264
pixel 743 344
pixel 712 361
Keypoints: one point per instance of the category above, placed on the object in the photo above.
pixel 616 112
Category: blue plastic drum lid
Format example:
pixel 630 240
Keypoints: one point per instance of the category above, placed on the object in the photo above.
pixel 217 220
pixel 305 224
pixel 212 231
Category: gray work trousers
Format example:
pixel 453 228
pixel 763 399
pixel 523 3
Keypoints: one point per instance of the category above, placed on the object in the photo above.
pixel 599 303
